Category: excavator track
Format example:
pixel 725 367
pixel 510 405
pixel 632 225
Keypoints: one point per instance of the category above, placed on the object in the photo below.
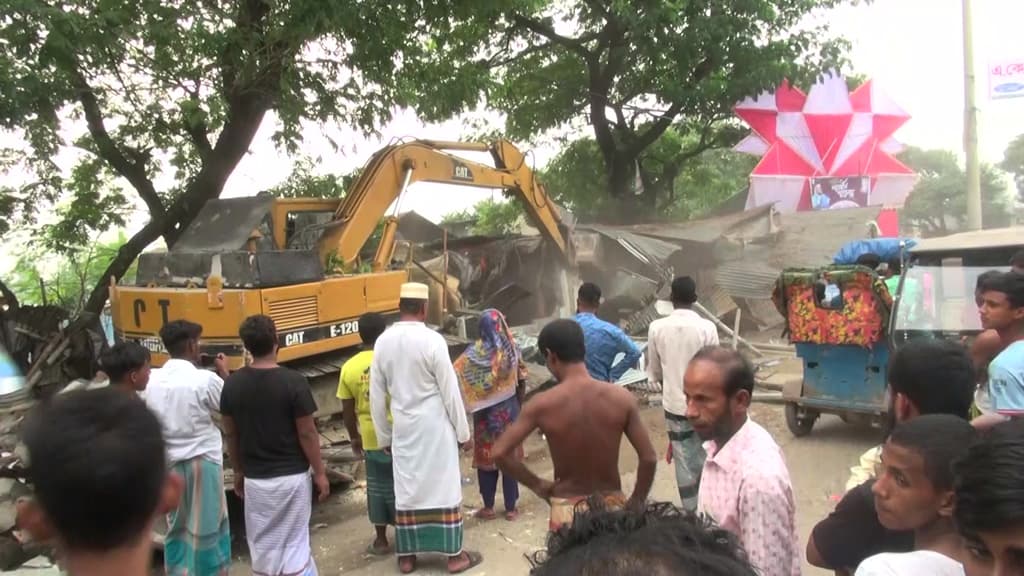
pixel 323 372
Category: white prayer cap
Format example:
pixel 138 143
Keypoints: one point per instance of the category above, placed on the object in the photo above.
pixel 415 291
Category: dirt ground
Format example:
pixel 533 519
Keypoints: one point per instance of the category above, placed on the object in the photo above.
pixel 818 464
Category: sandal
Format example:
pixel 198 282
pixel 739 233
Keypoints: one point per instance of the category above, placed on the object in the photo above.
pixel 375 551
pixel 475 559
pixel 512 515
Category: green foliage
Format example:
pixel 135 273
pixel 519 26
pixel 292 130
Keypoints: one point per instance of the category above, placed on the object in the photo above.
pixel 497 218
pixel 634 70
pixel 490 217
pixel 156 91
pixel 68 282
pixel 303 183
pixel 336 265
pixel 576 178
pixel 938 203
pixel 1013 162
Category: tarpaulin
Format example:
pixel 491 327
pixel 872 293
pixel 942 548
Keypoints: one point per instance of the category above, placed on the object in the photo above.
pixel 885 248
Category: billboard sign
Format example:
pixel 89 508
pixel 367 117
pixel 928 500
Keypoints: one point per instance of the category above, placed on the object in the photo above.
pixel 1006 79
pixel 840 192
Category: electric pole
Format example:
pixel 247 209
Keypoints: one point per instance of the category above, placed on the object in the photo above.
pixel 971 126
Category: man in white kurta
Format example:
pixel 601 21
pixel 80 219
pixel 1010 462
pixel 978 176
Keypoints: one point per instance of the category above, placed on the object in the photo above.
pixel 411 366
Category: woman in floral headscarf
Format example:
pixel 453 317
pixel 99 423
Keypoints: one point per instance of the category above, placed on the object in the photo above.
pixel 492 376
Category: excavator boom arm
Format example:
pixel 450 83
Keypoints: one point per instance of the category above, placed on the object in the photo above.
pixel 390 170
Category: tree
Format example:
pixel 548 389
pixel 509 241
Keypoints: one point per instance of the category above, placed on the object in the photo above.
pixel 68 285
pixel 1013 163
pixel 938 203
pixel 304 183
pixel 634 70
pixel 170 95
pixel 575 178
pixel 490 217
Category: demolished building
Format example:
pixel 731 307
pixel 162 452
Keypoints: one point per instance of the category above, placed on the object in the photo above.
pixel 734 258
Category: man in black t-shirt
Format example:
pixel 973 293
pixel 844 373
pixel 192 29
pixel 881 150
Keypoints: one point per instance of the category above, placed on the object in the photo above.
pixel 272 444
pixel 852 532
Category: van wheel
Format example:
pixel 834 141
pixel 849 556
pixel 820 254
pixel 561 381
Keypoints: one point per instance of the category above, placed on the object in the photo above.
pixel 799 420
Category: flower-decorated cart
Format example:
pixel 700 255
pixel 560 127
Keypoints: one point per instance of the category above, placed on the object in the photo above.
pixel 837 317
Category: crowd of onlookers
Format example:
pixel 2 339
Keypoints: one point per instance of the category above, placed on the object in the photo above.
pixel 944 493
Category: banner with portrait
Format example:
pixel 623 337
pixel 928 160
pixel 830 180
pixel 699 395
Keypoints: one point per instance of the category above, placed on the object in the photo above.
pixel 840 192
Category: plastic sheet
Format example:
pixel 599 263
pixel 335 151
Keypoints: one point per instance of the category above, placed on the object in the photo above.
pixel 885 248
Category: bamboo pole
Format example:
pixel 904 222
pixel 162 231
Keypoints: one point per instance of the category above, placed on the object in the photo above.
pixel 707 314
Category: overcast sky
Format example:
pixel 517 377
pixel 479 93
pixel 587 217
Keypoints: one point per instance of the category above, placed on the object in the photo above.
pixel 911 48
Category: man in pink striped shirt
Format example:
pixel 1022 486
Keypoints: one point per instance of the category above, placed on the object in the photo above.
pixel 745 484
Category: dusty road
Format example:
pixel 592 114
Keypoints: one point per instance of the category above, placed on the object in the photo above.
pixel 818 464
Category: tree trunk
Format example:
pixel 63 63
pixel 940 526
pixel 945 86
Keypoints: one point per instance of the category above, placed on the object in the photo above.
pixel 126 254
pixel 620 177
pixel 9 297
pixel 233 143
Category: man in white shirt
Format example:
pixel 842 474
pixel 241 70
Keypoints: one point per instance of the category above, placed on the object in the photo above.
pixel 671 343
pixel 184 398
pixel 428 423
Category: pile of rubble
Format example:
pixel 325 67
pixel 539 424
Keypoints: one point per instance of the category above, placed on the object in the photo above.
pixel 51 353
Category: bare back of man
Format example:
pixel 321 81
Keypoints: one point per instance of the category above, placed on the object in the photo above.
pixel 584 421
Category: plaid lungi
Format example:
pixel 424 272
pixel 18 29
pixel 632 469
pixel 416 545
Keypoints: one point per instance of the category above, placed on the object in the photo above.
pixel 380 488
pixel 437 530
pixel 198 541
pixel 688 456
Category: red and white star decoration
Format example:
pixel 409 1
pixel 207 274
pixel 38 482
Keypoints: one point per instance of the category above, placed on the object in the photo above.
pixel 826 132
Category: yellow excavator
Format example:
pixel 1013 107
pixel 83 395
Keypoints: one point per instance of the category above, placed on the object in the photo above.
pixel 286 258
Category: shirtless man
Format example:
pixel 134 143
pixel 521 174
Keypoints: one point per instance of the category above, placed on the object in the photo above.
pixel 584 420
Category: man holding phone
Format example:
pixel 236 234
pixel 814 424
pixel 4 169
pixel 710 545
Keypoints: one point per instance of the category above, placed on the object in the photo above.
pixel 184 398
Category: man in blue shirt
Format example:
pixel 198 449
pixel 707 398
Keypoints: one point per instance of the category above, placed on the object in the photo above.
pixel 603 340
pixel 1002 310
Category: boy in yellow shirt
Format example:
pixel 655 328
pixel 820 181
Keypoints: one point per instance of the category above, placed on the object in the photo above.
pixel 354 392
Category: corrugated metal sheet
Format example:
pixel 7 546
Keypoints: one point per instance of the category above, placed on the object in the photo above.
pixel 807 239
pixel 715 298
pixel 655 251
pixel 708 230
pixel 747 279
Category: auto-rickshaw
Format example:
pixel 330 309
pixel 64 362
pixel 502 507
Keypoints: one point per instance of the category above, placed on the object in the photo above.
pixel 936 292
pixel 838 318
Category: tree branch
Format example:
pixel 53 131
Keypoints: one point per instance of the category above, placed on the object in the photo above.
pixel 599 7
pixel 503 58
pixel 248 20
pixel 133 170
pixel 656 129
pixel 620 117
pixel 577 45
pixel 700 72
pixel 198 130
